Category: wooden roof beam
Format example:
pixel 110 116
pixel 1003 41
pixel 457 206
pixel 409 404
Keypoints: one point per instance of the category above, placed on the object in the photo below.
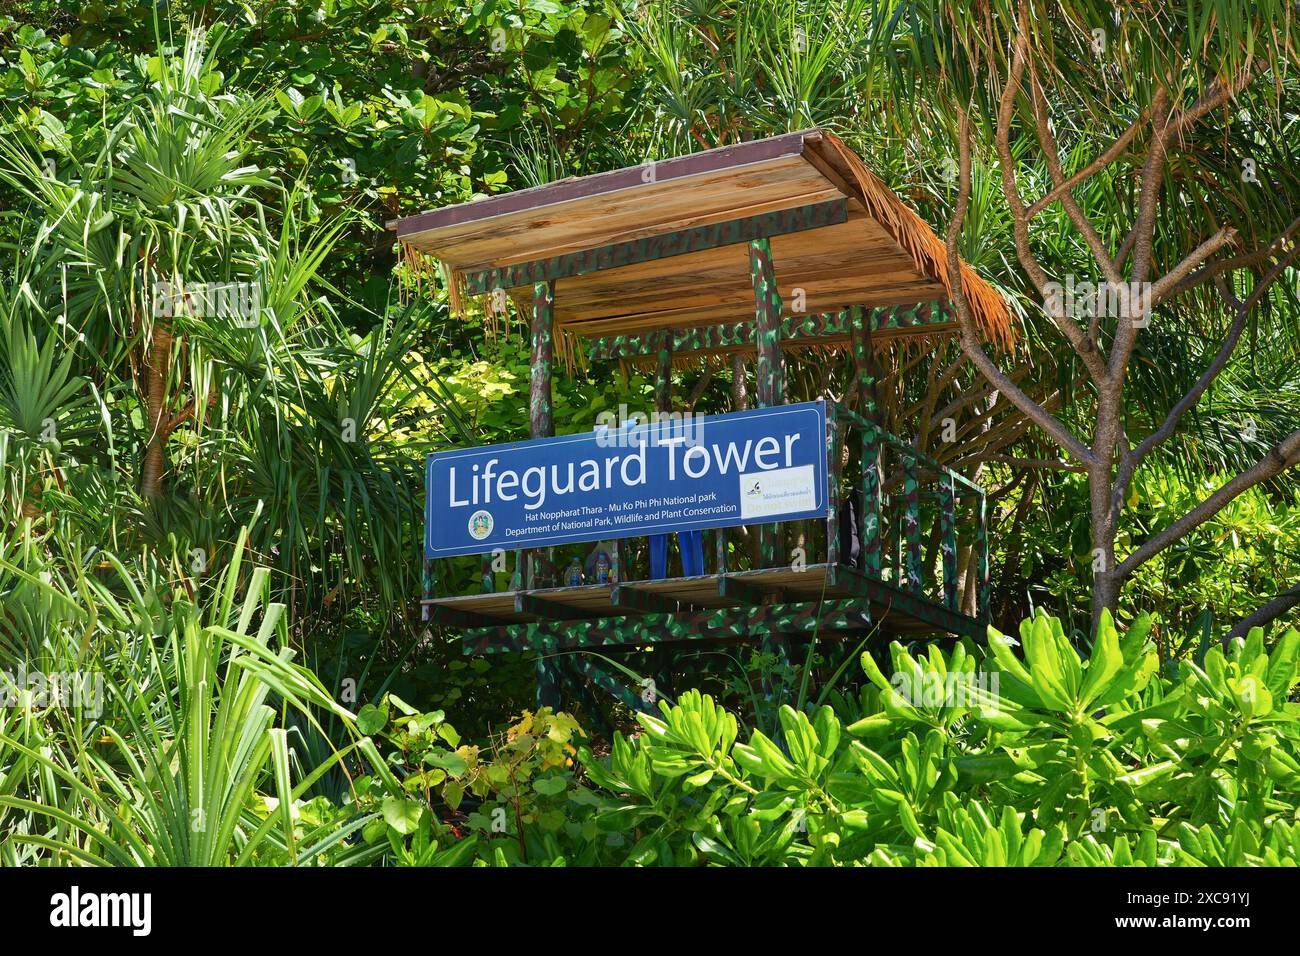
pixel 808 329
pixel 777 223
pixel 548 609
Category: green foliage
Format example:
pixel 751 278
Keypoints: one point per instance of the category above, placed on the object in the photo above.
pixel 1203 584
pixel 1038 757
pixel 270 149
pixel 512 798
pixel 180 758
pixel 374 107
pixel 1061 759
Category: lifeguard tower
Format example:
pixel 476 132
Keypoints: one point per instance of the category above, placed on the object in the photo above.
pixel 684 260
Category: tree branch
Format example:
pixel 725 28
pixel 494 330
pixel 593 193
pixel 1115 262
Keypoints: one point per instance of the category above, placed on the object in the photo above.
pixel 1101 162
pixel 1085 346
pixel 1132 459
pixel 1046 463
pixel 1081 222
pixel 1284 455
pixel 969 337
pixel 1168 284
pixel 1264 615
pixel 1218 267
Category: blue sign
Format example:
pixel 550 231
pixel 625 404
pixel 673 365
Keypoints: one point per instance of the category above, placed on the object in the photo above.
pixel 674 473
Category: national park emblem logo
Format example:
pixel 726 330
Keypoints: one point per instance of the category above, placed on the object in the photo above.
pixel 480 525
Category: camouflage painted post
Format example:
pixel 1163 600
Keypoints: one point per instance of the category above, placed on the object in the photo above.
pixel 872 509
pixel 573 679
pixel 663 340
pixel 767 325
pixel 948 542
pixel 912 524
pixel 770 363
pixel 596 671
pixel 770 385
pixel 429 584
pixel 549 691
pixel 834 442
pixel 660 664
pixel 664 371
pixel 900 541
pixel 871 533
pixel 982 556
pixel 864 364
pixel 542 421
pixel 540 412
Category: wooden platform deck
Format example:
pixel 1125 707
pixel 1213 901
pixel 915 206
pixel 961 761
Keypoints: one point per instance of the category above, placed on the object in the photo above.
pixel 827 598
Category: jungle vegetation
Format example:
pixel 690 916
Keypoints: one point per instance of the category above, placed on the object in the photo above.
pixel 220 521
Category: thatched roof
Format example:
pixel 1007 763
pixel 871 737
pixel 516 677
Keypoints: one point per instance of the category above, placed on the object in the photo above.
pixel 875 251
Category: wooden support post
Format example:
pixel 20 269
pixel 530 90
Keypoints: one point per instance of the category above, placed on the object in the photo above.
pixel 982 609
pixel 770 361
pixel 770 372
pixel 833 455
pixel 542 421
pixel 872 518
pixel 948 542
pixel 872 539
pixel 912 524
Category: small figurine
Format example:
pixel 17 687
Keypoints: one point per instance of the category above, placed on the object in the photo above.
pixel 603 566
pixel 599 565
pixel 573 577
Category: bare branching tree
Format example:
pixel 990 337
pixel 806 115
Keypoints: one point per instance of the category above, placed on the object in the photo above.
pixel 1159 164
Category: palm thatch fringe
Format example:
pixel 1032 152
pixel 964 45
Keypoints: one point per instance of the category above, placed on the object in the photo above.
pixel 926 249
pixel 423 269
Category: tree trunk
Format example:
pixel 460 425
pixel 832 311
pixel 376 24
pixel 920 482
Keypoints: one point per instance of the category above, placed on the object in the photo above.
pixel 157 369
pixel 1106 582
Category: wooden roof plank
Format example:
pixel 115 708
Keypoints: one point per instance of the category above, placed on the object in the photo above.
pixel 657 248
pixel 883 255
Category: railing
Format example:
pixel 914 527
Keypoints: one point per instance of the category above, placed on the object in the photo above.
pixel 912 530
pixel 915 518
